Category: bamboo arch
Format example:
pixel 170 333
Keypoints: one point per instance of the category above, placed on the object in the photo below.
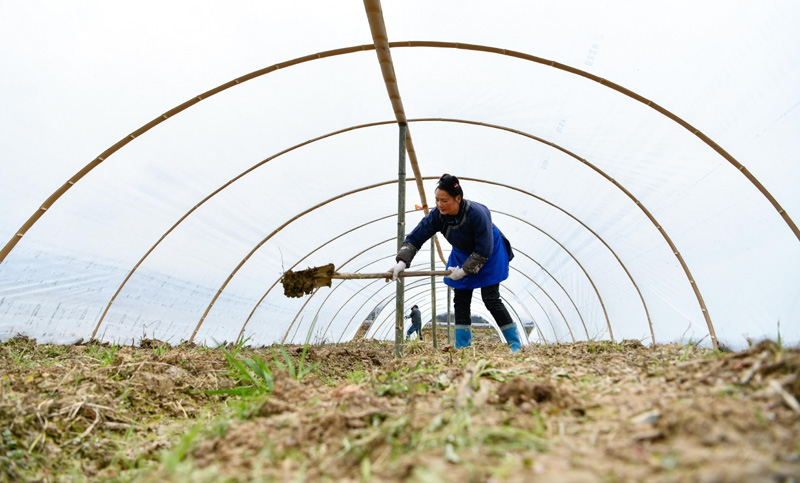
pixel 56 195
pixel 369 125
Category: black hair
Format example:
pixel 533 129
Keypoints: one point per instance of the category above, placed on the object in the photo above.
pixel 451 185
pixel 414 307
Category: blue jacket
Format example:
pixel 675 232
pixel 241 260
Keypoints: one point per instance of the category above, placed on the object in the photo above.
pixel 471 230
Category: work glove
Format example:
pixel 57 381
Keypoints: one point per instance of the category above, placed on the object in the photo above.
pixel 455 273
pixel 406 253
pixel 401 265
pixel 474 263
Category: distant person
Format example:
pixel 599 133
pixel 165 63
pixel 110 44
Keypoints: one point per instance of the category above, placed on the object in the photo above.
pixel 416 322
pixel 479 258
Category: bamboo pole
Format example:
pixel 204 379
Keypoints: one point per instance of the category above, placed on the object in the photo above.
pixel 449 293
pixel 433 295
pixel 401 235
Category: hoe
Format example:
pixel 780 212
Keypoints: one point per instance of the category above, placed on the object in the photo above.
pixel 295 284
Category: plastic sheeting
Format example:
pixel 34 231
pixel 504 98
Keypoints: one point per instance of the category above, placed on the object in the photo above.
pixel 606 138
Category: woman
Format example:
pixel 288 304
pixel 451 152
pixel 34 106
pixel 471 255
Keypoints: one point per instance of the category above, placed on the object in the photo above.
pixel 479 258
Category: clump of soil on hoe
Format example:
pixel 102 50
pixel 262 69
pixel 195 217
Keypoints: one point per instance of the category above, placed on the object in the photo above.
pixel 303 282
pixel 592 411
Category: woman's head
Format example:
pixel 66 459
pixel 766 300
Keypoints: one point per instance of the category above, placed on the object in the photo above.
pixel 448 195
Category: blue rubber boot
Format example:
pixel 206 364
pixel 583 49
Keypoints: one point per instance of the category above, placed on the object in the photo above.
pixel 463 337
pixel 510 333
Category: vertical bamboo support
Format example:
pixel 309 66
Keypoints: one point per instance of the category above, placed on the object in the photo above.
pixel 449 292
pixel 401 235
pixel 433 295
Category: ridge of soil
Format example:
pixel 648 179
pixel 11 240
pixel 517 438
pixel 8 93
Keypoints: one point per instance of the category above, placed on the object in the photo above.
pixel 588 411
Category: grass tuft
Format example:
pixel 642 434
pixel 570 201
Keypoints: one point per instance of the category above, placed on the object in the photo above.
pixel 253 375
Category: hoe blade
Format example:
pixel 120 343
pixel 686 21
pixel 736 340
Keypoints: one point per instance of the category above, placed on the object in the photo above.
pixel 297 284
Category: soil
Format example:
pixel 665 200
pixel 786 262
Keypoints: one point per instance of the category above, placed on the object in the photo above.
pixel 590 411
pixel 303 282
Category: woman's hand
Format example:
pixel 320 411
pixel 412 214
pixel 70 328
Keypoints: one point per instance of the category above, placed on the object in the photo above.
pixel 401 265
pixel 455 273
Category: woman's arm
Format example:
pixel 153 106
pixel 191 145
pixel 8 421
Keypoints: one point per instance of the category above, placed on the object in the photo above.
pixel 426 228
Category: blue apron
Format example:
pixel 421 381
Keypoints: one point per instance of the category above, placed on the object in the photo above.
pixel 494 271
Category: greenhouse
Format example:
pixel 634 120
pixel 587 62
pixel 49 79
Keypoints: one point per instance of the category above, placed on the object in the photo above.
pixel 159 179
pixel 165 164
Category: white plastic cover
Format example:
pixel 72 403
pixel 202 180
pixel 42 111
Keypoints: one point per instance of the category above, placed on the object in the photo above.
pixel 641 158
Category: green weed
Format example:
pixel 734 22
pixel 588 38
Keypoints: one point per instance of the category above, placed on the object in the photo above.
pixel 714 354
pixel 171 459
pixel 54 351
pixel 685 353
pixel 17 350
pixel 237 347
pixel 540 426
pixel 301 370
pixel 357 375
pixel 762 420
pixel 253 375
pixel 509 439
pixel 589 380
pixel 391 383
pixel 160 349
pixel 103 353
pixel 604 346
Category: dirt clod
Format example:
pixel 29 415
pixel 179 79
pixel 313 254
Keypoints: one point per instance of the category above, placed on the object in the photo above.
pixel 520 390
pixel 303 282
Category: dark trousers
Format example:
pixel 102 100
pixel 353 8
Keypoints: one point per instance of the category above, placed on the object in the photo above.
pixel 462 299
pixel 415 328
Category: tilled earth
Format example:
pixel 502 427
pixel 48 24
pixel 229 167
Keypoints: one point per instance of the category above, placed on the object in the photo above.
pixel 591 411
